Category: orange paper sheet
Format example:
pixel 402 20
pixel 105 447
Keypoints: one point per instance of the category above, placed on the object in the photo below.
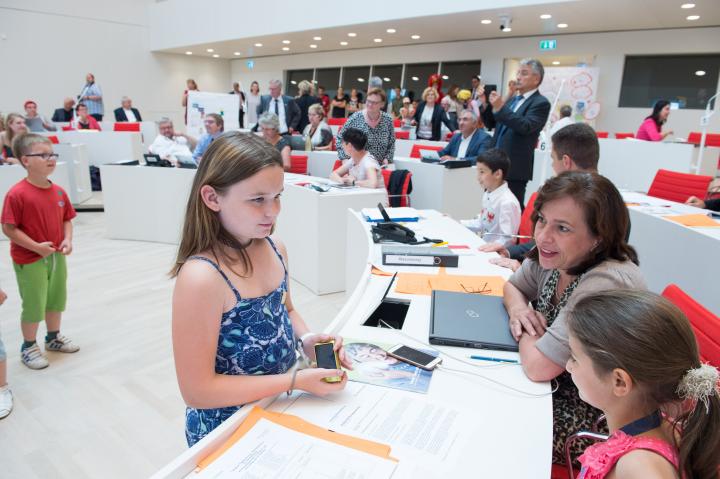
pixel 378 272
pixel 424 284
pixel 697 220
pixel 297 424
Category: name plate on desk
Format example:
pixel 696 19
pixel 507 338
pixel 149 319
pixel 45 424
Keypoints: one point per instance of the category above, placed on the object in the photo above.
pixel 423 256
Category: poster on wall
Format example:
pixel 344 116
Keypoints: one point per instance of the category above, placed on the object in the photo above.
pixel 573 86
pixel 200 103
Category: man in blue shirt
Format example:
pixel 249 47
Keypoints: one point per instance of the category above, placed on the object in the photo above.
pixel 469 143
pixel 214 126
pixel 92 97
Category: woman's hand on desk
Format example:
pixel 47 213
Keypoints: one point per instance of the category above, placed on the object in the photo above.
pixel 526 318
pixel 695 201
pixel 309 347
pixel 311 380
pixel 495 248
pixel 511 264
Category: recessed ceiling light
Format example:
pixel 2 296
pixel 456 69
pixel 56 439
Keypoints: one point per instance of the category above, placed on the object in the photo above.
pixel 415 37
pixel 415 79
pixel 687 5
pixel 237 54
pixel 216 55
pixel 562 25
pixel 313 46
pixel 286 42
pixel 343 43
pixel 285 49
pixel 486 21
pixel 293 82
pixel 317 39
pixel 545 16
pixel 556 62
pixel 209 50
pixel 361 80
pixel 386 79
pixel 352 34
pixel 507 30
pixel 700 73
pixel 391 30
pixel 258 45
pixel 188 53
pixel 693 17
pixel 445 77
pixel 377 40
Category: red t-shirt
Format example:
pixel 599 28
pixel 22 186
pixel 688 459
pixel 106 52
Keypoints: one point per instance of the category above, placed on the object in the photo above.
pixel 37 212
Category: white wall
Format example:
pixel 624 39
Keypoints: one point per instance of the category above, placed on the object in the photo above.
pixel 609 50
pixel 49 46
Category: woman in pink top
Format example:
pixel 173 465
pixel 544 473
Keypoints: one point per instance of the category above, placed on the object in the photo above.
pixel 634 355
pixel 651 128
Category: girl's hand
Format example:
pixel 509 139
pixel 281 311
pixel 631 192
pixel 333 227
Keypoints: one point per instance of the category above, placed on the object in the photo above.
pixel 309 347
pixel 311 380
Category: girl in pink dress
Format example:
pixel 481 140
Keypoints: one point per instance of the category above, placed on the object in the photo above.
pixel 635 357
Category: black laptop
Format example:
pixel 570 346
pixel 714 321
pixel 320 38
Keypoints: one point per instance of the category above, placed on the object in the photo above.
pixel 470 321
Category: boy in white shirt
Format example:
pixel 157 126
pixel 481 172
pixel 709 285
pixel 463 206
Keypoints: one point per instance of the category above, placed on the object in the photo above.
pixel 362 169
pixel 499 219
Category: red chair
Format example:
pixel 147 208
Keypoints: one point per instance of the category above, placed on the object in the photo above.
pixel 338 164
pixel 402 135
pixel 336 121
pixel 526 226
pixel 125 126
pixel 68 128
pixel 298 164
pixel 602 134
pixel 675 186
pixel 711 139
pixel 404 195
pixel 704 323
pixel 54 139
pixel 397 123
pixel 415 152
pixel 449 135
pixel 622 136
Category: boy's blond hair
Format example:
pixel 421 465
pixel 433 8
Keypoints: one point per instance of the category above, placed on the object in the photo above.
pixel 23 143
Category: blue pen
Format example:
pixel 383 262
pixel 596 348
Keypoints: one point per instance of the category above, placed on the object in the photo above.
pixel 495 360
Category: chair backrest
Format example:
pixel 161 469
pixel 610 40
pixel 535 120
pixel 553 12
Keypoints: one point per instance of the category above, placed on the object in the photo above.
pixel 54 139
pixel 675 186
pixel 67 128
pixel 298 164
pixel 125 126
pixel 397 123
pixel 336 121
pixel 415 152
pixel 711 139
pixel 526 226
pixel 602 134
pixel 622 136
pixel 449 135
pixel 402 135
pixel 404 195
pixel 338 164
pixel 704 323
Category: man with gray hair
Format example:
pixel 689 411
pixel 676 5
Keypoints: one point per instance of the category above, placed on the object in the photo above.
pixel 168 145
pixel 283 106
pixel 520 117
pixel 469 143
pixel 126 112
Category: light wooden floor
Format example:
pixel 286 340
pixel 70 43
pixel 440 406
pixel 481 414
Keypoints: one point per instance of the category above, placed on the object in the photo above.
pixel 113 409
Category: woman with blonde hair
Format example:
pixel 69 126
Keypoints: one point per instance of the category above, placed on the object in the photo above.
pixel 235 330
pixel 317 131
pixel 429 116
pixel 191 86
pixel 15 127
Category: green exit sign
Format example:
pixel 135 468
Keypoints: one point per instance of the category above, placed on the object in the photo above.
pixel 548 44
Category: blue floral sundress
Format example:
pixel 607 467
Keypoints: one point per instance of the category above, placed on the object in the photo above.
pixel 256 337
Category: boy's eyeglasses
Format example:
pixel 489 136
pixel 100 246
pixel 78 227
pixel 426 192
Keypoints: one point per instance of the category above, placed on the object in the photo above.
pixel 45 156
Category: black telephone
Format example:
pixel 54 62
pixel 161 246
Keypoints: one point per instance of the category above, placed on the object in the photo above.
pixel 391 231
pixel 155 160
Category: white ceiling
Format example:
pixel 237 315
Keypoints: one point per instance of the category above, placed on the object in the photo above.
pixel 582 16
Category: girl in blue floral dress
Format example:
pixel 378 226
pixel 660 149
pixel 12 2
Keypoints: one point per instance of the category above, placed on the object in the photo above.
pixel 236 335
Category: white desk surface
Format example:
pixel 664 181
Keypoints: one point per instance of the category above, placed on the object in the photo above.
pixel 104 147
pixel 673 253
pixel 511 433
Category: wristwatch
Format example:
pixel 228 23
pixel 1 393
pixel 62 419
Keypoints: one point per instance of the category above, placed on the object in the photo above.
pixel 302 338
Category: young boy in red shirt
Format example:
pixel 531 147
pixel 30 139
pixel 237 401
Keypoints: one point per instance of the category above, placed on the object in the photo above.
pixel 36 217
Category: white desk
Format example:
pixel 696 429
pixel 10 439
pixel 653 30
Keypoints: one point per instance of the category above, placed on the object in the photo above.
pixel 104 147
pixel 404 147
pixel 455 192
pixel 512 434
pixel 672 253
pixel 148 130
pixel 76 159
pixel 312 226
pixel 320 163
pixel 145 203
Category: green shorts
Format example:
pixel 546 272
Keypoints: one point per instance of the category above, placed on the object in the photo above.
pixel 43 287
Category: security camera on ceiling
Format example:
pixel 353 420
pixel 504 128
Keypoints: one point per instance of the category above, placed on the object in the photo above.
pixel 505 22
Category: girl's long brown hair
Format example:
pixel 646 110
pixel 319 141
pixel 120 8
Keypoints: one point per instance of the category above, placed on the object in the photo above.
pixel 231 158
pixel 648 337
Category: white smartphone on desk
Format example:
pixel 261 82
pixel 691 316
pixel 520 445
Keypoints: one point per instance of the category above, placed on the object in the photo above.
pixel 414 357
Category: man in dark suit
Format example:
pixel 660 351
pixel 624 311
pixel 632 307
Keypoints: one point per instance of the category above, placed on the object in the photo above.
pixel 469 143
pixel 520 118
pixel 66 112
pixel 281 105
pixel 126 112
